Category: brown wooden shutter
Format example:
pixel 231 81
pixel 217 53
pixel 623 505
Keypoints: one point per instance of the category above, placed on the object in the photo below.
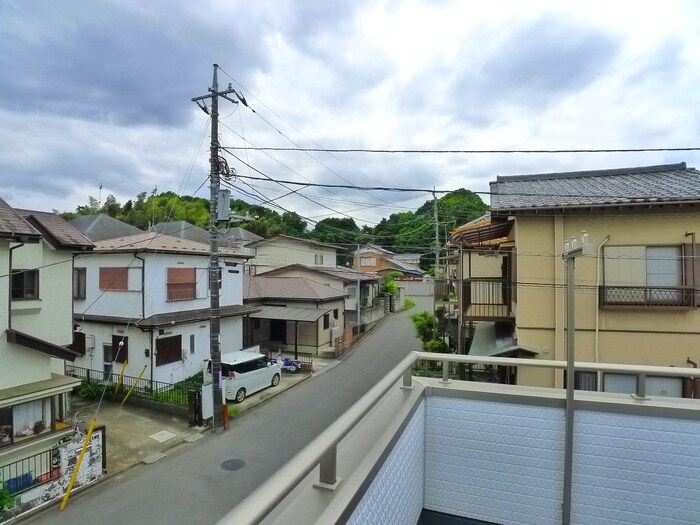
pixel 168 350
pixel 114 279
pixel 181 284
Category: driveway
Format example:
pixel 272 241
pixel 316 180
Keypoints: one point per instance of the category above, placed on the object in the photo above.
pixel 200 482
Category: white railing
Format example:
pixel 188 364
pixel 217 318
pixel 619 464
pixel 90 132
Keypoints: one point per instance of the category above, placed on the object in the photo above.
pixel 322 451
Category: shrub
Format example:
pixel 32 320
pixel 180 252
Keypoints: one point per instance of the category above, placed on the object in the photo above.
pixel 6 500
pixel 408 304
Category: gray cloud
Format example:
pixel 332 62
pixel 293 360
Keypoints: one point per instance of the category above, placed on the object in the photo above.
pixel 106 63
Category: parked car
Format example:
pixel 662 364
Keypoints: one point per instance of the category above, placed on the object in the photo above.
pixel 244 373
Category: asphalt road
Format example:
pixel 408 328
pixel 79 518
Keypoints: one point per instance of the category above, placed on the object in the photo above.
pixel 190 485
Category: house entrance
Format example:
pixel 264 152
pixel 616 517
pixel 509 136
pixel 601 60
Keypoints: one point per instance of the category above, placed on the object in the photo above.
pixel 278 330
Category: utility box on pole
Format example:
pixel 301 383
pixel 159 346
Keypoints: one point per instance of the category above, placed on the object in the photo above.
pixel 224 205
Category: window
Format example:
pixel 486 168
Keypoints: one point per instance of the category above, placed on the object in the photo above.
pixel 168 350
pixel 25 284
pixel 120 346
pixel 645 276
pixel 23 421
pixel 326 321
pixel 335 313
pixel 116 279
pixel 181 284
pixel 318 259
pixel 78 344
pixel 256 323
pixel 191 344
pixel 584 380
pixel 79 282
pixel 368 261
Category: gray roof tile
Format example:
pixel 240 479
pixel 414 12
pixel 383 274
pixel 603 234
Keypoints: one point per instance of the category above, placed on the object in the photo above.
pixel 102 226
pixel 57 231
pixel 647 184
pixel 13 226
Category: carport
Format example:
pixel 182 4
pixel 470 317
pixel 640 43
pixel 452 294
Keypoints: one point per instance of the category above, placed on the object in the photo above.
pixel 298 315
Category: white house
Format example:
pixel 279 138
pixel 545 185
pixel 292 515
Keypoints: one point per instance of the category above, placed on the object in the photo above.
pixel 36 257
pixel 282 250
pixel 142 306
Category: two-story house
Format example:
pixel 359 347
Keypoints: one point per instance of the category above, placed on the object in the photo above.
pixel 636 295
pixel 142 306
pixel 371 258
pixel 282 250
pixel 36 257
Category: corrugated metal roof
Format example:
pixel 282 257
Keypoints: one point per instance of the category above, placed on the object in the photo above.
pixel 662 184
pixel 284 313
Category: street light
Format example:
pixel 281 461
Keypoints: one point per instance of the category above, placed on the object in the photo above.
pixel 572 249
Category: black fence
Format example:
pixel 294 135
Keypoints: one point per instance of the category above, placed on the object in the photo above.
pixel 29 472
pixel 172 394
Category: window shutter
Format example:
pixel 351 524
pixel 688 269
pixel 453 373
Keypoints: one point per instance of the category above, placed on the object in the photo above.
pixel 114 279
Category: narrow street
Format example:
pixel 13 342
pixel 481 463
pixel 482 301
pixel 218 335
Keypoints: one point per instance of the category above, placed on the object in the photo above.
pixel 190 485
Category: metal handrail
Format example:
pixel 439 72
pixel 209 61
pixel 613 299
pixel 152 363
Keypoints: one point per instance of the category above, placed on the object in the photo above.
pixel 263 500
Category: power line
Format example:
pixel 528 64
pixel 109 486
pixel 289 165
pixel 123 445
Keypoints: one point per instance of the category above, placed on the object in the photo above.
pixel 471 151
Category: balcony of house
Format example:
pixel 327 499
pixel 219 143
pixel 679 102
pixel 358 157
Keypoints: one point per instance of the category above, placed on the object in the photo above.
pixel 436 450
pixel 647 297
pixel 445 290
pixel 487 299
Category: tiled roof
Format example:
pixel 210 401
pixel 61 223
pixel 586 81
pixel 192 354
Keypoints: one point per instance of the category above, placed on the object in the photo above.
pixel 238 234
pixel 183 230
pixel 289 288
pixel 102 226
pixel 155 242
pixel 340 272
pixel 57 231
pixel 297 239
pixel 13 226
pixel 663 184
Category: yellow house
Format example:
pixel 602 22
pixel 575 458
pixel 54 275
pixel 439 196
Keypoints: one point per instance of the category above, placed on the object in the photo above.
pixel 636 294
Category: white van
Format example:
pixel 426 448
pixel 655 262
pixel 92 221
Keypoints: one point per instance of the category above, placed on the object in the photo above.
pixel 244 373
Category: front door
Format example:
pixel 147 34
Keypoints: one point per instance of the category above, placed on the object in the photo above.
pixel 108 359
pixel 278 330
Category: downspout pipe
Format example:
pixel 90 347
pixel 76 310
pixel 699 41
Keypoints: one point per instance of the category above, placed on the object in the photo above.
pixel 143 309
pixel 599 258
pixel 9 287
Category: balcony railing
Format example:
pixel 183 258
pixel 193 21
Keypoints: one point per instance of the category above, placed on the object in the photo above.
pixel 487 299
pixel 268 503
pixel 26 473
pixel 646 297
pixel 445 290
pixel 182 291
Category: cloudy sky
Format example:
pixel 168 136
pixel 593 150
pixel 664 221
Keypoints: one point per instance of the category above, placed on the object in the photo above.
pixel 98 94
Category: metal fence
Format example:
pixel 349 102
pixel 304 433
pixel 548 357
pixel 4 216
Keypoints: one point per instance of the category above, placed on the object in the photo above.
pixel 28 472
pixel 172 394
pixel 647 296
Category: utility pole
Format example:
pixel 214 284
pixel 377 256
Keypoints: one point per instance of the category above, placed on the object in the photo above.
pixel 217 165
pixel 572 250
pixel 437 256
pixel 358 306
